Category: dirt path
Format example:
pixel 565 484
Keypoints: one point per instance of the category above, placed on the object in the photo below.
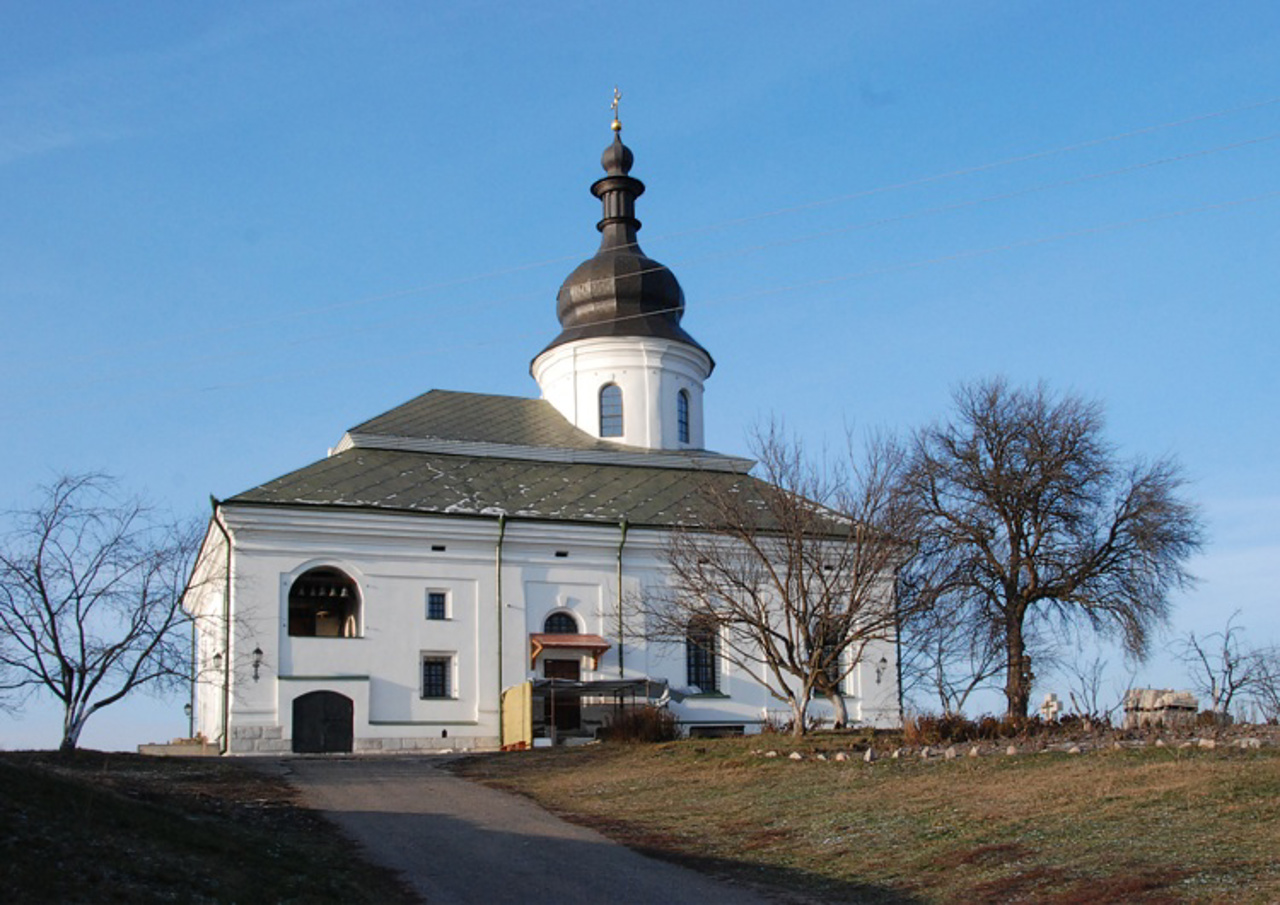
pixel 457 841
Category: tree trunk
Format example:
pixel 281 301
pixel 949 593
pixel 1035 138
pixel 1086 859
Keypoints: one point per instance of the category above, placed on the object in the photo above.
pixel 1017 683
pixel 71 727
pixel 799 710
pixel 837 704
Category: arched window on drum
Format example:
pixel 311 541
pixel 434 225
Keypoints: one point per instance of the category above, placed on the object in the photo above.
pixel 611 410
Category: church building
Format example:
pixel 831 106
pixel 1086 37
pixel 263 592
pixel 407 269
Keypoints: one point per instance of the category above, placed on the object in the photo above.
pixel 457 572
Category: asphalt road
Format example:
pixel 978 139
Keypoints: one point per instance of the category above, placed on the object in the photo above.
pixel 457 841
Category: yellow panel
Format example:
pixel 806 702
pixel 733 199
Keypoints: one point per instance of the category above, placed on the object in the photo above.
pixel 517 716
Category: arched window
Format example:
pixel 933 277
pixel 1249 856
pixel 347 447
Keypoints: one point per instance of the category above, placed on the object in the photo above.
pixel 324 603
pixel 682 416
pixel 610 410
pixel 702 650
pixel 560 624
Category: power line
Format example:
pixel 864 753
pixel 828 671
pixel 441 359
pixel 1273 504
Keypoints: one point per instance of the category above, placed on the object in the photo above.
pixel 980 168
pixel 964 254
pixel 439 286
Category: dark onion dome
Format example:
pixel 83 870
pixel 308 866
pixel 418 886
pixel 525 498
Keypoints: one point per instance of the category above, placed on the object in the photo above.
pixel 620 291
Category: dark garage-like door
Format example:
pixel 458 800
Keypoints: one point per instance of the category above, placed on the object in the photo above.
pixel 322 723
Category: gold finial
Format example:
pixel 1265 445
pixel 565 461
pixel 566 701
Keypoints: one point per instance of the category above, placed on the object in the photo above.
pixel 617 96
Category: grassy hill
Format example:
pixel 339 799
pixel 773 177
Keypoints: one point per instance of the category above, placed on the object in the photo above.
pixel 94 827
pixel 1107 826
pixel 1133 825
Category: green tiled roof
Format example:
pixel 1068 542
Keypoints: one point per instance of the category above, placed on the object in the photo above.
pixel 476 417
pixel 462 423
pixel 483 485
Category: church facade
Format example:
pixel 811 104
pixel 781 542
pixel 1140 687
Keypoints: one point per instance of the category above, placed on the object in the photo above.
pixel 459 572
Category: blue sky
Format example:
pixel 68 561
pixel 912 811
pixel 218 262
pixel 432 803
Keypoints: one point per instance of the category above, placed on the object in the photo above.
pixel 231 231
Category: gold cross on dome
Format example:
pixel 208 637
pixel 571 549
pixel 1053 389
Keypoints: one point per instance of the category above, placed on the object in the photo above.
pixel 617 96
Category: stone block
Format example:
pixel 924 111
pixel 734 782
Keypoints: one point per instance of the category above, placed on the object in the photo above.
pixel 392 744
pixel 368 744
pixel 275 745
pixel 274 732
pixel 242 746
pixel 1159 707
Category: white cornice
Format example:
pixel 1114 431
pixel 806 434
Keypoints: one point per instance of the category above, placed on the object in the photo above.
pixel 255 524
pixel 692 461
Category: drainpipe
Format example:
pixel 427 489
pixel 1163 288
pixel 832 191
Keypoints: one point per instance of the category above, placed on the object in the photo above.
pixel 622 542
pixel 225 743
pixel 502 533
pixel 897 644
pixel 191 690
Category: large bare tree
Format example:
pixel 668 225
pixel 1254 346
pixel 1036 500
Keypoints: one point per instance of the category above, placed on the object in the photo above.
pixel 1029 523
pixel 90 591
pixel 789 575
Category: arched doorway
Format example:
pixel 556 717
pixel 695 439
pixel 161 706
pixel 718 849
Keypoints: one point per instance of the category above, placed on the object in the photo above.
pixel 322 723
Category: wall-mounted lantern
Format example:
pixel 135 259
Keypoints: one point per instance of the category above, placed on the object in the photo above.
pixel 880 669
pixel 257 662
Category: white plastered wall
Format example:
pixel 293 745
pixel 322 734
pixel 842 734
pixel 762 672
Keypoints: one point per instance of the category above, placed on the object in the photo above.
pixel 393 560
pixel 650 372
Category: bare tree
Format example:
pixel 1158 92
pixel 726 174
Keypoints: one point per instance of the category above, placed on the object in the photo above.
pixel 788 576
pixel 90 585
pixel 1226 670
pixel 1028 522
pixel 1086 689
pixel 1266 695
pixel 947 665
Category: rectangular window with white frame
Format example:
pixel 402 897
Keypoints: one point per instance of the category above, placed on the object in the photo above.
pixel 438 679
pixel 438 605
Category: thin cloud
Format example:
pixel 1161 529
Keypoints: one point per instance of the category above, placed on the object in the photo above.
pixel 110 98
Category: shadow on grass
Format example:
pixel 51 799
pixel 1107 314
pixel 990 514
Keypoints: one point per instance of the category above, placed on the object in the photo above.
pixel 104 827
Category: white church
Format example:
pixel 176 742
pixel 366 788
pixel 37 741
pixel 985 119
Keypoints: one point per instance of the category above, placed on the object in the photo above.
pixel 456 572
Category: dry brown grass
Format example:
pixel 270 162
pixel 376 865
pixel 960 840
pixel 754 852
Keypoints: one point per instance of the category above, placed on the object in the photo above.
pixel 1152 825
pixel 95 827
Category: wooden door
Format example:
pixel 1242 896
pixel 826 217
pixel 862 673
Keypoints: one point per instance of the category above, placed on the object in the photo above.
pixel 322 723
